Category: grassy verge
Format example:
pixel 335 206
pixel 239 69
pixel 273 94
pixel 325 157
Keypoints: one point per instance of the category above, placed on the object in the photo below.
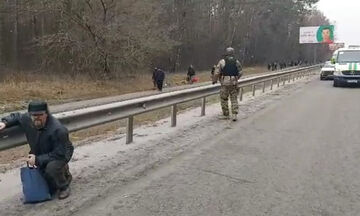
pixel 17 89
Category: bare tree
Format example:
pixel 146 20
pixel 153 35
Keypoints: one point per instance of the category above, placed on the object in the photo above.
pixel 109 38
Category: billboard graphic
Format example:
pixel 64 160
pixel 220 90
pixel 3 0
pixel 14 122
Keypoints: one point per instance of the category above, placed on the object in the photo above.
pixel 317 34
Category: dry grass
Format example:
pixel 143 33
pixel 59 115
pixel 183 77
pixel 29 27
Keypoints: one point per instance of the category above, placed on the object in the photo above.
pixel 17 89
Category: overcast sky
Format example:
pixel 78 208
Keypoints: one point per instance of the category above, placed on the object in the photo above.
pixel 345 14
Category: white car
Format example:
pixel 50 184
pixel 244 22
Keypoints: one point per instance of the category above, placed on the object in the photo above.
pixel 327 71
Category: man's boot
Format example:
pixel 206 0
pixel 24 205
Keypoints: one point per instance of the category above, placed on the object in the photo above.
pixel 64 193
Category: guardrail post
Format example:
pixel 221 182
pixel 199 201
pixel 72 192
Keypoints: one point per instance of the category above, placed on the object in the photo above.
pixel 130 130
pixel 278 81
pixel 203 105
pixel 173 115
pixel 253 89
pixel 271 84
pixel 289 77
pixel 294 76
pixel 264 85
pixel 241 93
pixel 284 80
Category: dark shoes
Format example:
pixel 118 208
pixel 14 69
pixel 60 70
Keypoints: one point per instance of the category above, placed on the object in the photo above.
pixel 65 193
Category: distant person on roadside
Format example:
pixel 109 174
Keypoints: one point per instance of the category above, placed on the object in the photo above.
pixel 158 78
pixel 212 74
pixel 273 66
pixel 50 147
pixel 213 70
pixel 228 72
pixel 190 74
pixel 153 78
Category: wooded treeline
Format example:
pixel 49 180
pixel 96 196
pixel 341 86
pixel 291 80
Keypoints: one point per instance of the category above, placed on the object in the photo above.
pixel 108 38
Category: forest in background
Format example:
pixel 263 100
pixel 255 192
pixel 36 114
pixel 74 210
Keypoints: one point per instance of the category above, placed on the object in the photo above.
pixel 115 38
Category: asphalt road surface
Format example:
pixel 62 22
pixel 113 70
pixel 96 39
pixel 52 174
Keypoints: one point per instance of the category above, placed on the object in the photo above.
pixel 295 151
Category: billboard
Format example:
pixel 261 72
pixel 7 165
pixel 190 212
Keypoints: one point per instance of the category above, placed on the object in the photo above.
pixel 317 34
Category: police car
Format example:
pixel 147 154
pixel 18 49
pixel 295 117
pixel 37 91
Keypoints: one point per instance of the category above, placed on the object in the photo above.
pixel 347 66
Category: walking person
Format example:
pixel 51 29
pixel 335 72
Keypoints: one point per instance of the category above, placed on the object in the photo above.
pixel 190 74
pixel 228 72
pixel 158 78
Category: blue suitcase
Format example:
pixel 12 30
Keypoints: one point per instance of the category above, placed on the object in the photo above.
pixel 35 187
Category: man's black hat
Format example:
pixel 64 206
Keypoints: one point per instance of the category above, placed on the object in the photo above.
pixel 38 107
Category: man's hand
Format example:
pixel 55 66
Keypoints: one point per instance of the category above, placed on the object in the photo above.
pixel 2 126
pixel 31 159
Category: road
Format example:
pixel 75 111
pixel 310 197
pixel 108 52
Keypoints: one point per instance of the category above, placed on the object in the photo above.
pixel 294 151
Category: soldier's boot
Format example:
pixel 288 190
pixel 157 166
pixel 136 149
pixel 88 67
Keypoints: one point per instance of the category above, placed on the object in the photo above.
pixel 234 117
pixel 224 117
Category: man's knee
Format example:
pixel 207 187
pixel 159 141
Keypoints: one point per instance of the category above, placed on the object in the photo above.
pixel 54 167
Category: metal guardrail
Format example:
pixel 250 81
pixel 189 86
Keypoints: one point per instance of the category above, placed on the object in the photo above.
pixel 92 116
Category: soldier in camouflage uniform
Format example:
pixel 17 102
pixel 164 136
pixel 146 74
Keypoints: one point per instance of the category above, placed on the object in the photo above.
pixel 228 72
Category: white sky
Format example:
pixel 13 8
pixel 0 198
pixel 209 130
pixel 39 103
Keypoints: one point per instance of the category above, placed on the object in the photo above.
pixel 345 14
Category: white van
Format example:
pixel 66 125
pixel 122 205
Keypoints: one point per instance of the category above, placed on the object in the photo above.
pixel 347 66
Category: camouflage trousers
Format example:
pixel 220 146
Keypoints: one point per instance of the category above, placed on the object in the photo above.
pixel 231 91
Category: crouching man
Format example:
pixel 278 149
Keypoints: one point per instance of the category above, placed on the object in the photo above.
pixel 50 147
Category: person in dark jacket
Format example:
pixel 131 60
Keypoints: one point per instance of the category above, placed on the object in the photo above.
pixel 190 74
pixel 158 78
pixel 50 147
pixel 213 78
